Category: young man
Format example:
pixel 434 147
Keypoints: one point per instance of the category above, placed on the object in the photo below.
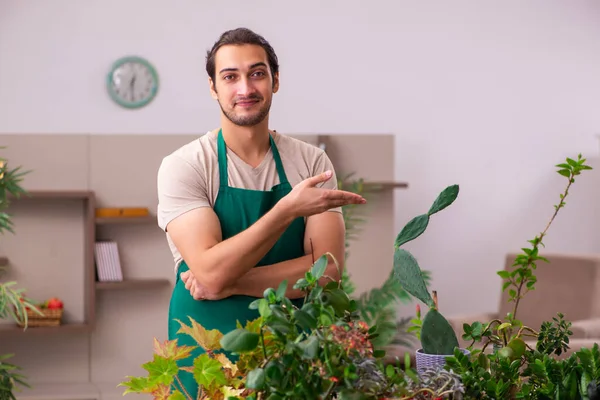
pixel 244 207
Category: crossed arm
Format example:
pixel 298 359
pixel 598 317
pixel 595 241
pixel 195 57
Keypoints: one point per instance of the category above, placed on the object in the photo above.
pixel 225 268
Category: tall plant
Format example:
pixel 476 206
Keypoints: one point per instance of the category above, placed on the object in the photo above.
pixel 377 306
pixel 13 303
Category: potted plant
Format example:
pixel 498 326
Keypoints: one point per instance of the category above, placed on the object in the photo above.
pixel 13 302
pixel 376 306
pixel 438 339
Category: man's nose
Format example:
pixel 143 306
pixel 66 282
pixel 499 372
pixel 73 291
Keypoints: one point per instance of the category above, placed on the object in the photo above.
pixel 245 87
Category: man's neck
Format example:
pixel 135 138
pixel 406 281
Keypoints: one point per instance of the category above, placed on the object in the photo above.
pixel 250 143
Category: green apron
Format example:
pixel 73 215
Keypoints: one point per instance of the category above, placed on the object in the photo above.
pixel 237 209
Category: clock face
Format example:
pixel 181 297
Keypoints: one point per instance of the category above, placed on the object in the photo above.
pixel 132 82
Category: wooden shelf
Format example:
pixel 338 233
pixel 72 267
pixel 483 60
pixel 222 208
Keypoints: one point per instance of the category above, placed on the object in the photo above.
pixel 387 185
pixel 133 284
pixel 55 194
pixel 63 391
pixel 125 220
pixel 33 330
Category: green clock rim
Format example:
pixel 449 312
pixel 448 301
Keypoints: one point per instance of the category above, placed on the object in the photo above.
pixel 118 100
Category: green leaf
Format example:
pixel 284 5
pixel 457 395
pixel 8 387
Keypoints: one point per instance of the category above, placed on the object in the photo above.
pixel 161 370
pixel 309 347
pixel 263 308
pixel 437 335
pixel 412 230
pixel 318 268
pixel 282 289
pixel 256 379
pixel 239 340
pixel 565 172
pixel 136 385
pixel 305 320
pixel 444 199
pixel 503 274
pixel 208 371
pixel 408 273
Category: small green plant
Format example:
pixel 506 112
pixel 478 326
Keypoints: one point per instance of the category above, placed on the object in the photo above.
pixel 13 302
pixel 319 351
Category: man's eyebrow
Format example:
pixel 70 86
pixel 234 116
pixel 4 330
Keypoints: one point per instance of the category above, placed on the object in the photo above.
pixel 258 64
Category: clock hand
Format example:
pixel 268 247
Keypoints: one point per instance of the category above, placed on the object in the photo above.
pixel 131 85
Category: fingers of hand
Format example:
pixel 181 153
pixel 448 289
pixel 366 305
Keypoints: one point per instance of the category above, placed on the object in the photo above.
pixel 320 178
pixel 342 197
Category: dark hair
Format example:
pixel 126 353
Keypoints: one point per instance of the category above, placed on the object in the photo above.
pixel 241 36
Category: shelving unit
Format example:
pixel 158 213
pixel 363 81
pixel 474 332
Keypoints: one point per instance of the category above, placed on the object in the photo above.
pixel 130 284
pixel 125 220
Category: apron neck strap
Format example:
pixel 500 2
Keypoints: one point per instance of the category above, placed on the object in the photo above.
pixel 278 163
pixel 222 158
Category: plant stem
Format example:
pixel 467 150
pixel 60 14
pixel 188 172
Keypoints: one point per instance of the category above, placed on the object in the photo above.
pixel 187 395
pixel 262 342
pixel 535 246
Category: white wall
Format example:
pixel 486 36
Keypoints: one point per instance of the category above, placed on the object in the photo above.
pixel 486 95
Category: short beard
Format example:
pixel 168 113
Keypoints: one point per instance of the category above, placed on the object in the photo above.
pixel 250 120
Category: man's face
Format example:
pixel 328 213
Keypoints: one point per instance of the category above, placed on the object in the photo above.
pixel 243 84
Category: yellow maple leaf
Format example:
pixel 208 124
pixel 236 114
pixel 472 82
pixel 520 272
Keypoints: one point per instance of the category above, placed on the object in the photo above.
pixel 209 340
pixel 169 349
pixel 227 364
pixel 161 392
pixel 229 391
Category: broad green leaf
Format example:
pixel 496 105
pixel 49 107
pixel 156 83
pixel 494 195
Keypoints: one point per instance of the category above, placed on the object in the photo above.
pixel 309 347
pixel 263 308
pixel 305 320
pixel 412 230
pixel 208 372
pixel 161 370
pixel 256 379
pixel 239 340
pixel 437 335
pixel 408 273
pixel 445 198
pixel 137 385
pixel 319 267
pixel 282 289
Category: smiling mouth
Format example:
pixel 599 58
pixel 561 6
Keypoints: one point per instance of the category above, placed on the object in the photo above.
pixel 246 103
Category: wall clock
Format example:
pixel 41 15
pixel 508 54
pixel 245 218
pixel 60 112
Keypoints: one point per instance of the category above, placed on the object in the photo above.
pixel 132 82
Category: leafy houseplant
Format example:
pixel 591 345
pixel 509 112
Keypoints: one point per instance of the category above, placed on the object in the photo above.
pixel 376 306
pixel 13 303
pixel 516 368
pixel 438 339
pixel 324 350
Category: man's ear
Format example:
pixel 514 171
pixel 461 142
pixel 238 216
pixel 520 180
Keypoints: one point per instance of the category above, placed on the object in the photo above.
pixel 275 82
pixel 211 86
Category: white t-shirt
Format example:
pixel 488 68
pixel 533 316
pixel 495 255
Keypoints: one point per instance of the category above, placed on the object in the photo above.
pixel 188 178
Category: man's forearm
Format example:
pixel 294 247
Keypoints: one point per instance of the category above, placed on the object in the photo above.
pixel 256 280
pixel 229 260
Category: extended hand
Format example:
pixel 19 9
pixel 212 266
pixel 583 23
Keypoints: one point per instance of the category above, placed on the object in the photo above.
pixel 198 291
pixel 305 199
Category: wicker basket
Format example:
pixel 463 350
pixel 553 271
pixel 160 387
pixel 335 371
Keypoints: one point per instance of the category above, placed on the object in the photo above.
pixel 51 317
